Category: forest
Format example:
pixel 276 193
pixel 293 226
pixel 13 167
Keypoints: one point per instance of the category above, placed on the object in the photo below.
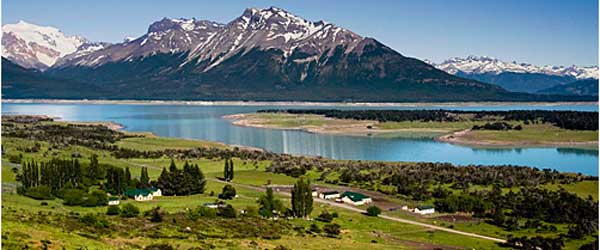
pixel 575 120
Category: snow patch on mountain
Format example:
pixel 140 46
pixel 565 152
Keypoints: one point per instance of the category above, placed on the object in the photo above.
pixel 486 65
pixel 37 46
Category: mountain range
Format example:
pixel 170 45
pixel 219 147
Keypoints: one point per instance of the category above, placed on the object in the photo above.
pixel 264 54
pixel 522 77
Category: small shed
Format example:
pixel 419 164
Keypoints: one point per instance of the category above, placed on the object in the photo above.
pixel 328 195
pixel 113 201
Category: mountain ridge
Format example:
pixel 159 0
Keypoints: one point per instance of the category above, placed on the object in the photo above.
pixel 515 76
pixel 265 54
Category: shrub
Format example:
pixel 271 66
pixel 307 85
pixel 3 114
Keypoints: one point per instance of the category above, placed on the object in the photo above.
pixel 228 192
pixel 315 228
pixel 89 219
pixel 15 158
pixel 202 211
pixel 97 198
pixel 113 210
pixel 129 210
pixel 226 211
pixel 325 217
pixel 39 193
pixel 73 197
pixel 155 214
pixel 373 211
pixel 251 211
pixel 331 230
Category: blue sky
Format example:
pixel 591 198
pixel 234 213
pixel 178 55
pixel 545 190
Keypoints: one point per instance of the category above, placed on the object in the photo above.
pixel 534 31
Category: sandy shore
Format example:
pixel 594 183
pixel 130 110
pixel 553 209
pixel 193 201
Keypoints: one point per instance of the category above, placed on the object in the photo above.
pixel 359 128
pixel 347 127
pixel 291 103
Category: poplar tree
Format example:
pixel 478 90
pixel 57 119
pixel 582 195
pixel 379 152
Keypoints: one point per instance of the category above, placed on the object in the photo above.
pixel 302 201
pixel 144 179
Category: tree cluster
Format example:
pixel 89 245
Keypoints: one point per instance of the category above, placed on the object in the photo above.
pixel 187 181
pixel 302 200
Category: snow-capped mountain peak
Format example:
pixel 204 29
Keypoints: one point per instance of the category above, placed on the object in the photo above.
pixel 35 46
pixel 490 65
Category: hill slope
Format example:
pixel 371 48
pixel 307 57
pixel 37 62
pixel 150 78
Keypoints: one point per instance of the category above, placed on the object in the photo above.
pixel 581 87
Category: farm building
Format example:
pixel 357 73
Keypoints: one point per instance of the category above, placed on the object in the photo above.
pixel 113 200
pixel 143 194
pixel 328 195
pixel 426 209
pixel 214 205
pixel 155 192
pixel 356 199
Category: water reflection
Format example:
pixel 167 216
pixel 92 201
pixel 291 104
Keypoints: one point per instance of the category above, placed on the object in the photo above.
pixel 577 151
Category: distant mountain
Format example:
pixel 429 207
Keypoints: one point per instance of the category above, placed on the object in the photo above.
pixel 266 54
pixel 514 76
pixel 18 81
pixel 581 87
pixel 39 47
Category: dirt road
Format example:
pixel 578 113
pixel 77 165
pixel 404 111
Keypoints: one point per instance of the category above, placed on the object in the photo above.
pixel 358 210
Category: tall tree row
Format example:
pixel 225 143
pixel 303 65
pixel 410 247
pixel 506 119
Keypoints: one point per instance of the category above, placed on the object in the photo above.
pixel 55 173
pixel 302 200
pixel 228 170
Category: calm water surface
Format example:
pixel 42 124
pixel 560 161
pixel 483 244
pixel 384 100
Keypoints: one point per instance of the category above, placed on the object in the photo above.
pixel 204 122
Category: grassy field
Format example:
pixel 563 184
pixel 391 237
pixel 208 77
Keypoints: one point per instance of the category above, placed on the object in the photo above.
pixel 358 231
pixel 151 142
pixel 537 133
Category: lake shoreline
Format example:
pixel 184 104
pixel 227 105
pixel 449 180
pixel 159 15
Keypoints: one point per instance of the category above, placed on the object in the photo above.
pixel 369 128
pixel 287 103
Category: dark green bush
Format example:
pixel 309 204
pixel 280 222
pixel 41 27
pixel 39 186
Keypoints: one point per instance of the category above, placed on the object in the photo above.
pixel 325 217
pixel 227 212
pixel 113 210
pixel 73 197
pixel 228 192
pixel 373 211
pixel 332 230
pixel 129 210
pixel 39 193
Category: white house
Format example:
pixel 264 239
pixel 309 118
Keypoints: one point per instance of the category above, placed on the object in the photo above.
pixel 141 194
pixel 214 205
pixel 329 195
pixel 422 210
pixel 356 199
pixel 315 193
pixel 113 200
pixel 156 192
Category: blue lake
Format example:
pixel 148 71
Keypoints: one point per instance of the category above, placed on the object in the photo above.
pixel 205 122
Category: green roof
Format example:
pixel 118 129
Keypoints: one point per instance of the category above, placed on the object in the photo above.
pixel 113 198
pixel 136 192
pixel 355 196
pixel 423 207
pixel 330 192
